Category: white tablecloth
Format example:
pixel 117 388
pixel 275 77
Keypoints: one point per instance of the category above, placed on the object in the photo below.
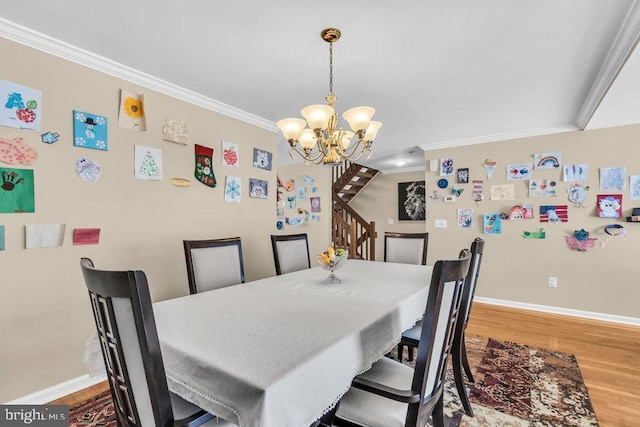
pixel 281 351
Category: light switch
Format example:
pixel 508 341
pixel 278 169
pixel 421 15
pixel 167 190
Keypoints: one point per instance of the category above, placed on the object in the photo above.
pixel 390 221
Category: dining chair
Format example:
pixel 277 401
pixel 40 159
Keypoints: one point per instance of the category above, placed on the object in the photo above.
pixel 290 252
pixel 214 263
pixel 411 337
pixel 127 332
pixel 392 394
pixel 406 248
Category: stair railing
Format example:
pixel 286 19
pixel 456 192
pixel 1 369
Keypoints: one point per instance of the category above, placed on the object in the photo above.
pixel 352 232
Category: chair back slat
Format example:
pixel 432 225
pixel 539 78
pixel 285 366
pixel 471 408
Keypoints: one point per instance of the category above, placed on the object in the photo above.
pixel 128 337
pixel 213 264
pixel 290 252
pixel 441 314
pixel 477 249
pixel 406 248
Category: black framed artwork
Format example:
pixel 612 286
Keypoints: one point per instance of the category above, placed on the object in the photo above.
pixel 411 201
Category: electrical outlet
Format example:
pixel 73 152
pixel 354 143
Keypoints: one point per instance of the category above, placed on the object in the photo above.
pixel 553 282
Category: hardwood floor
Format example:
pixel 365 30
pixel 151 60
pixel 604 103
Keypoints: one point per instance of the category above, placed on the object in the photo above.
pixel 608 355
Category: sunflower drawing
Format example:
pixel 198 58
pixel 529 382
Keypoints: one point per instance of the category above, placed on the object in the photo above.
pixel 134 108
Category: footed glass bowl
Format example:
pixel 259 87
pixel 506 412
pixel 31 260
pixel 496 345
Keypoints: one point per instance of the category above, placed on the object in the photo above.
pixel 332 265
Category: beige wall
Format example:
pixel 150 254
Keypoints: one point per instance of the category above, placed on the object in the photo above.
pixel 45 317
pixel 603 280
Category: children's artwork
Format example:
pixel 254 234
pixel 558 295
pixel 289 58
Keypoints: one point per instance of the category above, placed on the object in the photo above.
pixel 463 175
pixel 87 169
pixel 411 201
pixel 551 213
pixel 503 192
pixel 132 112
pixel 262 159
pixel 232 189
pixel 308 180
pixel 90 131
pixel 613 179
pixel 180 182
pixel 542 187
pixel 230 154
pixel 456 191
pixel 258 188
pixel 314 189
pixel 523 211
pixel 575 172
pixel 465 218
pixel 2 238
pixel 294 221
pixel 15 152
pixel 539 234
pixel 290 185
pixel 175 131
pixel 291 202
pixel 609 205
pixel 577 194
pixel 518 171
pixel 86 236
pixel 446 166
pixel 44 235
pixel 301 194
pixel 16 191
pixel 21 106
pixel 477 192
pixel 613 230
pixel 548 160
pixel 490 166
pixel 148 163
pixel 315 204
pixel 315 218
pixel 634 187
pixel 279 213
pixel 49 137
pixel 580 241
pixel 492 223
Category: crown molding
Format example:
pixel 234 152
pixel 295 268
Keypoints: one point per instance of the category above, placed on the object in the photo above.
pixel 525 133
pixel 47 44
pixel 622 47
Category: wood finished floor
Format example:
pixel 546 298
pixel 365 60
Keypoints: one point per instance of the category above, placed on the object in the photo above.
pixel 608 355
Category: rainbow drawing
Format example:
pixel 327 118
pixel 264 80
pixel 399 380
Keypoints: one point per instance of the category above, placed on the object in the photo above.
pixel 548 160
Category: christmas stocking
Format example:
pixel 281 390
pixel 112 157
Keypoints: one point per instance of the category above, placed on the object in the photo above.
pixel 204 166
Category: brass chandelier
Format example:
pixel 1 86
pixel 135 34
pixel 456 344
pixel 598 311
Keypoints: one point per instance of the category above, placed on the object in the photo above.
pixel 323 141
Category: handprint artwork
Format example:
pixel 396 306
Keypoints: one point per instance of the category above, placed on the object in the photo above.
pixel 16 191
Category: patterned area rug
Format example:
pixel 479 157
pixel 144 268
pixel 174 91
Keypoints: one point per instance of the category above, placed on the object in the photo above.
pixel 516 385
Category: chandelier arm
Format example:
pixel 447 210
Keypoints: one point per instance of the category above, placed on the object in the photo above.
pixel 351 150
pixel 305 157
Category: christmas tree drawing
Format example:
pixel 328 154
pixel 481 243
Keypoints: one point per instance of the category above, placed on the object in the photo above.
pixel 149 167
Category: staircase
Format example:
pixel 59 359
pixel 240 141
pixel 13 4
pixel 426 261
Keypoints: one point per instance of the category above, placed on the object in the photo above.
pixel 348 229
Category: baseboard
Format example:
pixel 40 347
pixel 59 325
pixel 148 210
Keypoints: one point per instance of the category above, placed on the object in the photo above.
pixel 59 390
pixel 563 311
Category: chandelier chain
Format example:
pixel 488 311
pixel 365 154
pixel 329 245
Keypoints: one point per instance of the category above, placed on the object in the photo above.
pixel 331 69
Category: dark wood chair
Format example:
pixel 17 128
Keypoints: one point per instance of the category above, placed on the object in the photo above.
pixel 214 263
pixel 391 394
pixel 127 331
pixel 290 252
pixel 411 337
pixel 406 248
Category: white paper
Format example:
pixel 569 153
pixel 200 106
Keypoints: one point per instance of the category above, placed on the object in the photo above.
pixel 44 235
pixel 148 163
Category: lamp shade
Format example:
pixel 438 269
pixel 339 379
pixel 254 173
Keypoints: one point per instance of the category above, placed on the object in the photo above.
pixel 308 139
pixel 317 115
pixel 291 128
pixel 347 135
pixel 372 130
pixel 359 117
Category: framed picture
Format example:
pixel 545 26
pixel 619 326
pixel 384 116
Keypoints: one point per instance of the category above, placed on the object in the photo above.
pixel 411 201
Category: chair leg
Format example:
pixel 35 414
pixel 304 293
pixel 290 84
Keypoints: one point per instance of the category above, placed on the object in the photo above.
pixel 457 355
pixel 410 349
pixel 465 361
pixel 400 351
pixel 437 416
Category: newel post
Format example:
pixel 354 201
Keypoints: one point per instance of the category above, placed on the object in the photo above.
pixel 372 241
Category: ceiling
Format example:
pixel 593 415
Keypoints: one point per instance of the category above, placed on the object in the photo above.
pixel 440 73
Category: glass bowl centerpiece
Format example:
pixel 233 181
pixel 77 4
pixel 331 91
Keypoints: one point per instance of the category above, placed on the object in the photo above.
pixel 332 259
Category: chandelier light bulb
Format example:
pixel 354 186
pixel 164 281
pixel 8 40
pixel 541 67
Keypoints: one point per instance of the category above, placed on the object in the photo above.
pixel 291 128
pixel 308 139
pixel 317 115
pixel 359 118
pixel 372 130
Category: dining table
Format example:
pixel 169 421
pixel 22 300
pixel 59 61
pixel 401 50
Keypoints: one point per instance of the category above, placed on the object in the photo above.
pixel 281 351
